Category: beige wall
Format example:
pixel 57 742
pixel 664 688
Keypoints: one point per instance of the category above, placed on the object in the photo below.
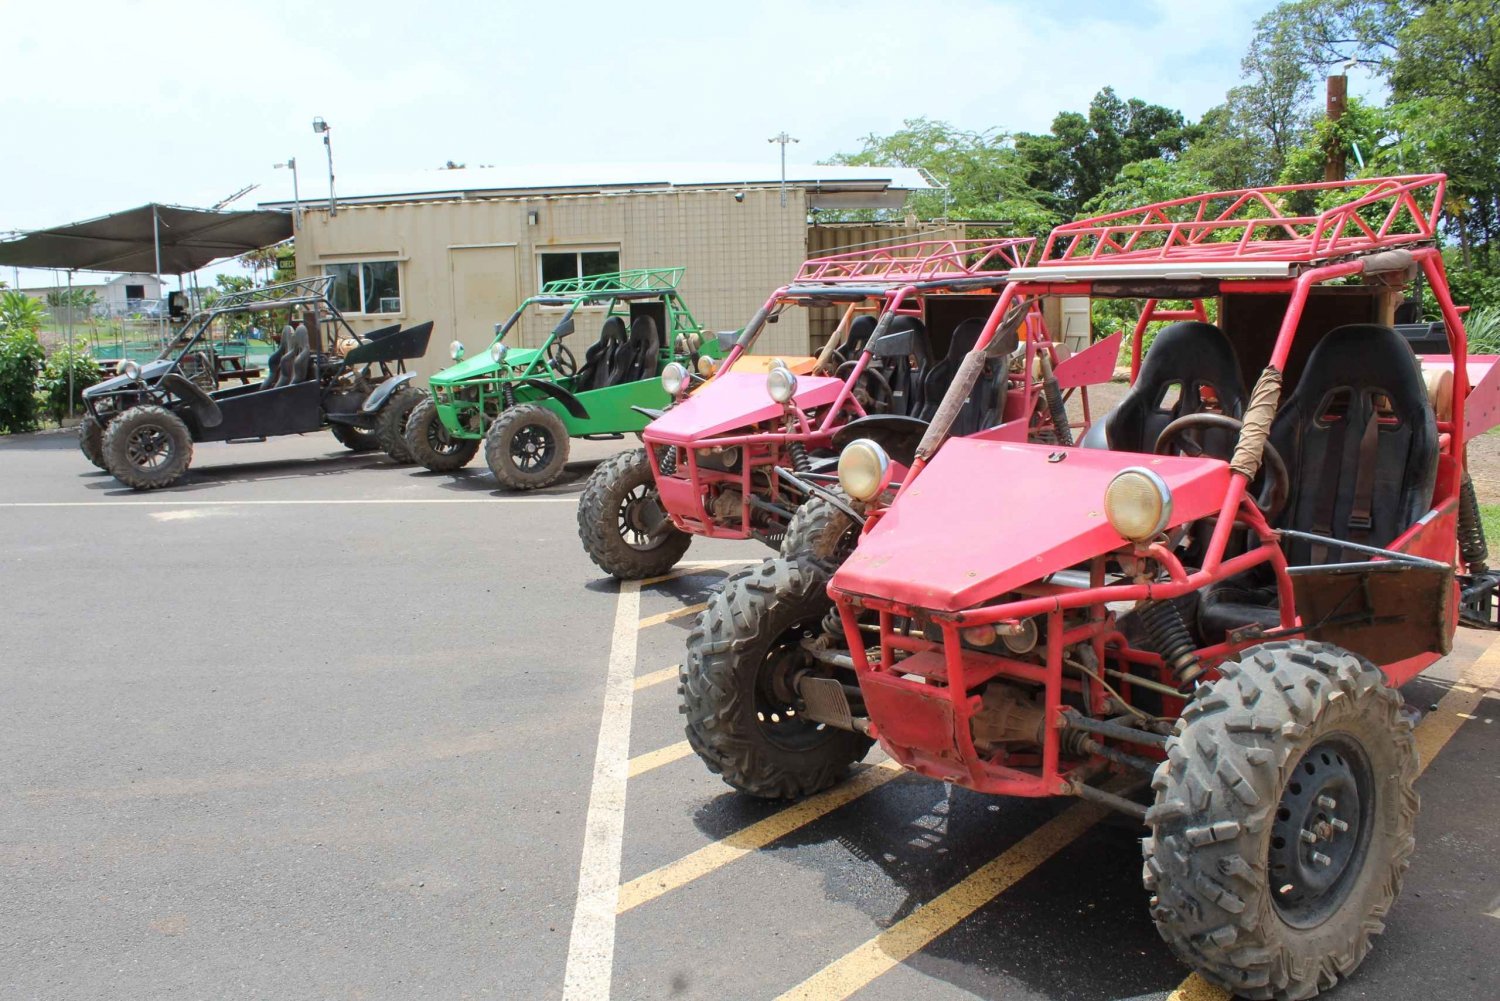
pixel 736 254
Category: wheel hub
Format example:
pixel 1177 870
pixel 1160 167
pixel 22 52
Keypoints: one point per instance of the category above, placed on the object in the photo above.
pixel 1318 838
pixel 148 447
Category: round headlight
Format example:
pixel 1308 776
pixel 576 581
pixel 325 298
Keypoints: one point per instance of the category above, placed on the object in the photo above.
pixel 864 469
pixel 707 366
pixel 777 363
pixel 498 351
pixel 673 378
pixel 131 369
pixel 456 349
pixel 781 384
pixel 1138 504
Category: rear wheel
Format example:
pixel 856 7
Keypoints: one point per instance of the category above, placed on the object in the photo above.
pixel 622 524
pixel 390 423
pixel 820 531
pixel 91 440
pixel 739 685
pixel 355 439
pixel 527 447
pixel 431 445
pixel 1283 820
pixel 147 448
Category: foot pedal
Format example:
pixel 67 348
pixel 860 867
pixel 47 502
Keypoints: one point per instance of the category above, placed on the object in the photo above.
pixel 825 702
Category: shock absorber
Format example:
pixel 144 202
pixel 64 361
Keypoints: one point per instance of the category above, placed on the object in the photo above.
pixel 800 462
pixel 1062 430
pixel 1471 542
pixel 668 460
pixel 1169 636
pixel 508 394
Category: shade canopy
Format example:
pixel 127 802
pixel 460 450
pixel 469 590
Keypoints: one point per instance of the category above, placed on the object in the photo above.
pixel 127 241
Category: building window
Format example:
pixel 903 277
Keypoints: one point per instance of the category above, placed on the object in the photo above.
pixel 366 286
pixel 554 265
pixel 135 291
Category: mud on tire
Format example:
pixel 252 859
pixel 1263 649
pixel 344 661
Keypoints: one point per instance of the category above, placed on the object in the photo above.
pixel 390 423
pixel 147 448
pixel 430 444
pixel 1298 736
pixel 821 532
pixel 527 447
pixel 736 721
pixel 615 527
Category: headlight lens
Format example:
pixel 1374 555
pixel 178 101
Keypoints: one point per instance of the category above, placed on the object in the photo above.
pixel 673 378
pixel 707 366
pixel 456 350
pixel 498 351
pixel 778 363
pixel 1138 503
pixel 131 369
pixel 781 384
pixel 864 469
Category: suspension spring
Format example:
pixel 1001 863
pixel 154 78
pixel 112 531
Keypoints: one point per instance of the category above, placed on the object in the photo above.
pixel 1062 430
pixel 667 461
pixel 1169 637
pixel 508 394
pixel 1471 544
pixel 800 462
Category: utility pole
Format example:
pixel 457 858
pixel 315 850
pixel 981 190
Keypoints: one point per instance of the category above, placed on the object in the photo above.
pixel 291 165
pixel 325 130
pixel 783 138
pixel 1335 166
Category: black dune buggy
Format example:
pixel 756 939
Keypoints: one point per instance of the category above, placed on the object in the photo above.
pixel 141 424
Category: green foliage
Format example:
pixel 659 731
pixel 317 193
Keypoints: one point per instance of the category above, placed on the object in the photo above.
pixel 20 354
pixel 1483 329
pixel 19 311
pixel 54 383
pixel 78 298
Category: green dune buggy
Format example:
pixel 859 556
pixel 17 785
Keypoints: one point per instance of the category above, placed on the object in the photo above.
pixel 526 404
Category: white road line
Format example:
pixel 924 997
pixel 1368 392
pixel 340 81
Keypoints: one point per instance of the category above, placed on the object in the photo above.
pixel 591 946
pixel 281 503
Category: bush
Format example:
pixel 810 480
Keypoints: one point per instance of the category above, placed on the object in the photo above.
pixel 20 354
pixel 54 381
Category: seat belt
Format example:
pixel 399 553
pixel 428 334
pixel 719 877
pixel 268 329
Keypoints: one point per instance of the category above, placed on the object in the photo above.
pixel 1364 480
pixel 1328 487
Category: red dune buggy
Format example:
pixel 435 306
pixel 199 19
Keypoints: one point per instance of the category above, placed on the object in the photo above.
pixel 713 463
pixel 1216 595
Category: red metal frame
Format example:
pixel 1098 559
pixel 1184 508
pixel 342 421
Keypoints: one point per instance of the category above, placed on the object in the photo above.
pixel 922 705
pixel 924 260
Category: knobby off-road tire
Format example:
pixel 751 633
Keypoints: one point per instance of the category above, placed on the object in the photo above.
pixel 736 719
pixel 430 444
pixel 91 440
pixel 390 423
pixel 621 523
pixel 821 532
pixel 1257 758
pixel 355 439
pixel 147 448
pixel 527 447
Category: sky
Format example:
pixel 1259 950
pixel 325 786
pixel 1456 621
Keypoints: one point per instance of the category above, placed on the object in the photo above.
pixel 112 104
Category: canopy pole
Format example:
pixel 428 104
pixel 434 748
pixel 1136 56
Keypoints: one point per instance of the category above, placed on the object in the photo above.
pixel 70 345
pixel 161 333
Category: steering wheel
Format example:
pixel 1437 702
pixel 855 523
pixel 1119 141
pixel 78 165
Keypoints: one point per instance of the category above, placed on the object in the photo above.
pixel 561 360
pixel 1275 481
pixel 878 394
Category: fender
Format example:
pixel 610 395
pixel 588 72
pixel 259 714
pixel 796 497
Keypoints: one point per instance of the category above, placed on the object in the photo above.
pixel 898 435
pixel 383 392
pixel 202 406
pixel 570 402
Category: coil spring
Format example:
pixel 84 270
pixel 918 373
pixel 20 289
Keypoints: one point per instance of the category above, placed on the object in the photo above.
pixel 668 461
pixel 800 462
pixel 1169 636
pixel 1062 430
pixel 508 394
pixel 1471 544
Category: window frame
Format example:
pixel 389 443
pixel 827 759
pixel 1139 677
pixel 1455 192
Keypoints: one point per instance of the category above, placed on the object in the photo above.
pixel 577 251
pixel 359 263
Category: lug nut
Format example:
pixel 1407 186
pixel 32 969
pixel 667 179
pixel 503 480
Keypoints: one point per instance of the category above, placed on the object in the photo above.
pixel 1321 859
pixel 1327 802
pixel 1308 837
pixel 1339 825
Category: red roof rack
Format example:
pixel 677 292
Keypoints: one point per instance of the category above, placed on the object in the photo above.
pixel 1254 224
pixel 926 260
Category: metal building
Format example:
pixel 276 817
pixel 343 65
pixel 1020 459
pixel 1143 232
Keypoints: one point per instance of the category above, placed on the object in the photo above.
pixel 463 247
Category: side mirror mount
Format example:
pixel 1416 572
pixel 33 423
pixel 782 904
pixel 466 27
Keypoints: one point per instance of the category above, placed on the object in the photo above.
pixel 564 328
pixel 892 344
pixel 1008 337
pixel 727 338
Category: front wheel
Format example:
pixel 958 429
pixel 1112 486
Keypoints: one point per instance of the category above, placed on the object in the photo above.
pixel 527 447
pixel 355 439
pixel 821 531
pixel 147 448
pixel 1283 820
pixel 622 524
pixel 91 440
pixel 390 423
pixel 430 443
pixel 740 685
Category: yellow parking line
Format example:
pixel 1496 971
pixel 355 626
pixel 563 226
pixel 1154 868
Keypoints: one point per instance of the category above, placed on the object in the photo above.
pixel 710 858
pixel 657 677
pixel 1432 735
pixel 676 613
pixel 911 934
pixel 655 759
pixel 693 569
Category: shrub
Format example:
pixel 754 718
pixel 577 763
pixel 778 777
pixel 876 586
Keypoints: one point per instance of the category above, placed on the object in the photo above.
pixel 20 354
pixel 54 381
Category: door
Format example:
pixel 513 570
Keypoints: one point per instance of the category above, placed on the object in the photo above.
pixel 482 281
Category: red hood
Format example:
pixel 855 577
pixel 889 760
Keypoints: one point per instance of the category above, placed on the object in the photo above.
pixel 733 402
pixel 987 517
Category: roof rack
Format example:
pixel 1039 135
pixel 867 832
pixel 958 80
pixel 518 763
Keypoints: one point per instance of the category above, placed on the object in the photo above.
pixel 639 280
pixel 1254 224
pixel 298 291
pixel 925 260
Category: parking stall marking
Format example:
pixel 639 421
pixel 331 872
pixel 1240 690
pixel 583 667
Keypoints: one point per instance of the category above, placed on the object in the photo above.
pixel 642 763
pixel 332 501
pixel 1432 735
pixel 657 677
pixel 692 569
pixel 676 613
pixel 715 856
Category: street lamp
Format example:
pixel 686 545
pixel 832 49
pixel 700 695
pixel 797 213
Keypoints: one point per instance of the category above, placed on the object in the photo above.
pixel 320 126
pixel 296 195
pixel 783 138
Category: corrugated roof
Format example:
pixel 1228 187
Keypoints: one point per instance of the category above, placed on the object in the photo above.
pixel 574 178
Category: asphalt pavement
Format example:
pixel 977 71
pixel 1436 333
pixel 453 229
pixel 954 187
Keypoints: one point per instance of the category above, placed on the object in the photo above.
pixel 315 725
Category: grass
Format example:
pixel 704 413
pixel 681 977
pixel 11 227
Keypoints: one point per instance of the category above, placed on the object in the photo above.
pixel 1489 514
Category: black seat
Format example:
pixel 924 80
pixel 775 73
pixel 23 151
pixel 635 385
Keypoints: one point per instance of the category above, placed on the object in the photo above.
pixel 859 335
pixel 636 358
pixel 939 376
pixel 1190 369
pixel 295 357
pixel 905 373
pixel 273 363
pixel 596 360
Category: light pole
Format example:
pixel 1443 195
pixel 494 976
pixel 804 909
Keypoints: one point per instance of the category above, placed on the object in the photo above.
pixel 296 195
pixel 783 138
pixel 322 127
